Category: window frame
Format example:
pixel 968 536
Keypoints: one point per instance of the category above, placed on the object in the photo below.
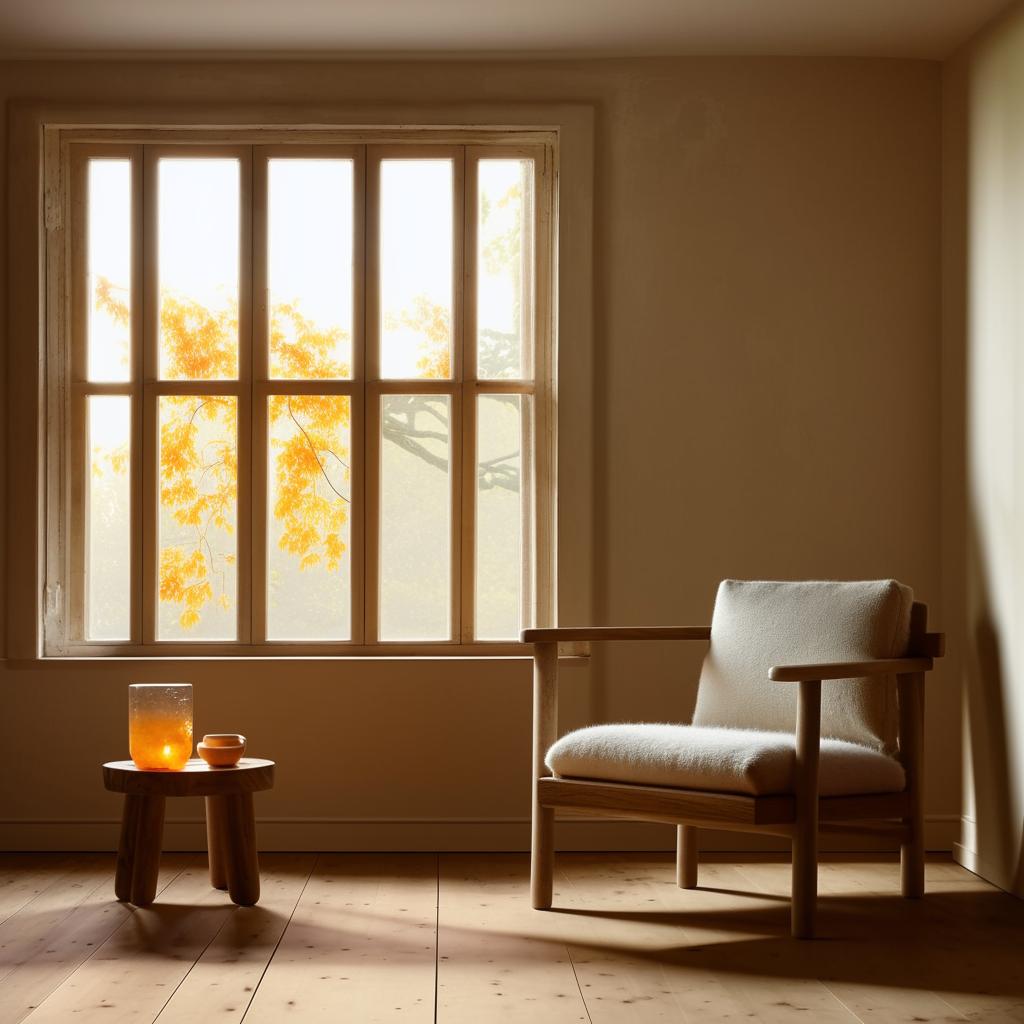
pixel 64 494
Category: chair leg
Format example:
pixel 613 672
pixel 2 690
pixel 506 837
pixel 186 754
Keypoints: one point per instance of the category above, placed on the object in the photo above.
pixel 805 882
pixel 805 824
pixel 686 856
pixel 545 725
pixel 542 857
pixel 911 703
pixel 912 863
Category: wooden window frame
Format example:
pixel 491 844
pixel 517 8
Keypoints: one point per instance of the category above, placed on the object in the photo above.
pixel 65 160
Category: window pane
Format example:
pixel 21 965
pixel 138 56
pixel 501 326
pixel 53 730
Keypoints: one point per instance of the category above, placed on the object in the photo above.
pixel 309 267
pixel 502 515
pixel 416 268
pixel 198 498
pixel 309 566
pixel 108 519
pixel 415 518
pixel 504 301
pixel 198 246
pixel 109 269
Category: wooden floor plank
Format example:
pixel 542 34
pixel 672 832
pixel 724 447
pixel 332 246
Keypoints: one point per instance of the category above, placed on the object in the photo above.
pixel 136 970
pixel 68 944
pixel 708 945
pixel 24 876
pixel 871 954
pixel 631 962
pixel 24 933
pixel 360 946
pixel 975 946
pixel 499 960
pixel 221 984
pixel 357 940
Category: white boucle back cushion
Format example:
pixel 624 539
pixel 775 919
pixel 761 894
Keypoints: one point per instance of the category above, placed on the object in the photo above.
pixel 760 624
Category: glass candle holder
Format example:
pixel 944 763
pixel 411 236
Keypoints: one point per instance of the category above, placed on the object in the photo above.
pixel 160 725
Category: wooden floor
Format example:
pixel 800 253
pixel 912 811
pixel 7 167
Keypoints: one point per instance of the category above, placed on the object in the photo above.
pixel 384 937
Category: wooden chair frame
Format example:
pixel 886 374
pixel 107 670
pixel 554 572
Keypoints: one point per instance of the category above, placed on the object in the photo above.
pixel 800 816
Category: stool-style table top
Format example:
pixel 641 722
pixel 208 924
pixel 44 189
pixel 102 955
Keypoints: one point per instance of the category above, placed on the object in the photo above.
pixel 197 778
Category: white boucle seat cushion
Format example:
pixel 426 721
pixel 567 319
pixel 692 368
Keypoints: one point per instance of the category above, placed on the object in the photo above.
pixel 721 760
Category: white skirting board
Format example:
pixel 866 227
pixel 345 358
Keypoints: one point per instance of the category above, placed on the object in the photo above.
pixel 966 852
pixel 434 835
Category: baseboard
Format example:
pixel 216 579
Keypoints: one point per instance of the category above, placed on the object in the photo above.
pixel 968 858
pixel 440 834
pixel 966 854
pixel 965 849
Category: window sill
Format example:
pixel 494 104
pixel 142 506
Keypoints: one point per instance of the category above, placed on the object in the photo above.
pixel 82 655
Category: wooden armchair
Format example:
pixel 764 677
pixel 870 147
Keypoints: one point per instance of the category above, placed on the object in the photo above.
pixel 754 759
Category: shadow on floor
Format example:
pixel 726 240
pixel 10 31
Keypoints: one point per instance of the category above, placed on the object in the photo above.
pixel 955 941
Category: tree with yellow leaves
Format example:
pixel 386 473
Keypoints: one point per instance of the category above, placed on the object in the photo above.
pixel 198 445
pixel 198 467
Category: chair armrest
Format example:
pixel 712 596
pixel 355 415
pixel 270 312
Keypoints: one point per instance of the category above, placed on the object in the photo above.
pixel 848 669
pixel 556 634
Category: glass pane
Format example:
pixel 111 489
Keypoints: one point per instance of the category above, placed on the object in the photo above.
pixel 108 519
pixel 309 267
pixel 309 487
pixel 415 518
pixel 502 516
pixel 197 259
pixel 416 268
pixel 109 269
pixel 198 499
pixel 504 300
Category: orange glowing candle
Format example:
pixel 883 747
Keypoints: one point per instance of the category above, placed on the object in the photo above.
pixel 160 725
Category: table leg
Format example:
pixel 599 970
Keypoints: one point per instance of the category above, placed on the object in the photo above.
pixel 138 852
pixel 215 841
pixel 148 843
pixel 130 815
pixel 243 869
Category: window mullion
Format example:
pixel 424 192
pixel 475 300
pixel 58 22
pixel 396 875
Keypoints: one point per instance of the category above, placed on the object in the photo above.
pixel 359 530
pixel 458 409
pixel 249 442
pixel 260 369
pixel 145 489
pixel 466 537
pixel 137 377
pixel 544 424
pixel 75 428
pixel 370 364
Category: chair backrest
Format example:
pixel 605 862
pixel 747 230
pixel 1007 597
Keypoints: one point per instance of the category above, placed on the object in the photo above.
pixel 757 624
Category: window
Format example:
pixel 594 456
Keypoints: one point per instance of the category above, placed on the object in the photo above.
pixel 309 390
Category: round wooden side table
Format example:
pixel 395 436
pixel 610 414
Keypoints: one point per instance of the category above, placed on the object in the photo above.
pixel 230 825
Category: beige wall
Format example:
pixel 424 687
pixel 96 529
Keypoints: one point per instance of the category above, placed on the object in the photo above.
pixel 983 500
pixel 766 404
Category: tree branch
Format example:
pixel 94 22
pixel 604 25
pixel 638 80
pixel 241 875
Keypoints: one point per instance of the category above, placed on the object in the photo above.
pixel 315 453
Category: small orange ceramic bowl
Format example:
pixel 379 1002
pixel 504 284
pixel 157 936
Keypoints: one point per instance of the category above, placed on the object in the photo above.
pixel 221 749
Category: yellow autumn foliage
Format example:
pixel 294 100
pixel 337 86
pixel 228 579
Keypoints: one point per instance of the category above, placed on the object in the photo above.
pixel 198 434
pixel 198 437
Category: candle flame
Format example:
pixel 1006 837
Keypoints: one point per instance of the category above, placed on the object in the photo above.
pixel 160 742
